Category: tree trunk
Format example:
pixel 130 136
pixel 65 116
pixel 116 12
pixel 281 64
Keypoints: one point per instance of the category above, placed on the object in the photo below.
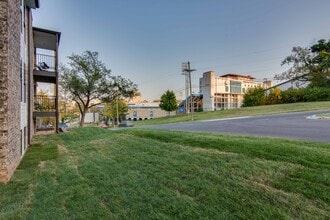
pixel 106 120
pixel 82 119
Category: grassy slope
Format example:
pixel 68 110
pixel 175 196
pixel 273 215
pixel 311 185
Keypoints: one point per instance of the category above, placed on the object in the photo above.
pixel 136 173
pixel 249 111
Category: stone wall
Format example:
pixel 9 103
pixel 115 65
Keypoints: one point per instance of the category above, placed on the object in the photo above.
pixel 3 88
pixel 10 134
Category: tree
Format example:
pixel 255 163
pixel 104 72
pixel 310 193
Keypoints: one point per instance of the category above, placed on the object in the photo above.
pixel 110 109
pixel 168 102
pixel 310 65
pixel 254 97
pixel 274 97
pixel 89 82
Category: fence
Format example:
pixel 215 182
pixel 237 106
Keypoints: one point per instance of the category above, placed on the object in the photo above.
pixel 45 62
pixel 44 103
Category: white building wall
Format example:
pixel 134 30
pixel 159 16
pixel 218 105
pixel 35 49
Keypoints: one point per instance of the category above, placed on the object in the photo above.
pixel 91 117
pixel 207 89
pixel 217 94
pixel 23 60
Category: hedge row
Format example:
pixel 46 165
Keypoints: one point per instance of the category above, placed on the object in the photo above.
pixel 258 96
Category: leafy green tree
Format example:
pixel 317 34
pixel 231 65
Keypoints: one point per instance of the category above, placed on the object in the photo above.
pixel 310 65
pixel 254 97
pixel 168 102
pixel 110 109
pixel 89 82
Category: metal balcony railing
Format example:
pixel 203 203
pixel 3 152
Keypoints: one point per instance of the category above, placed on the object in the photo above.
pixel 44 103
pixel 45 62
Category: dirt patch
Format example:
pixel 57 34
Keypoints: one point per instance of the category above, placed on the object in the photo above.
pixel 212 151
pixel 61 149
pixel 270 188
pixel 41 164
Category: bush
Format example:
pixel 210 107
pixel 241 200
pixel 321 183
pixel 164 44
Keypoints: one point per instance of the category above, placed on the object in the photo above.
pixel 254 97
pixel 292 95
pixel 312 94
pixel 274 97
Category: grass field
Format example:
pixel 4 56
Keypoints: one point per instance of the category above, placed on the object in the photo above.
pixel 248 111
pixel 143 174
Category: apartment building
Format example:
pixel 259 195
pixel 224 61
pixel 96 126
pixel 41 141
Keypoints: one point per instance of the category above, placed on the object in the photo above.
pixel 28 57
pixel 226 91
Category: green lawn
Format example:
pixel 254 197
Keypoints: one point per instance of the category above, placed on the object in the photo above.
pixel 249 111
pixel 144 174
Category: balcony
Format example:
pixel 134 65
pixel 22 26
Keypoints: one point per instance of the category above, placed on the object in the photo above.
pixel 45 62
pixel 45 55
pixel 44 106
pixel 44 68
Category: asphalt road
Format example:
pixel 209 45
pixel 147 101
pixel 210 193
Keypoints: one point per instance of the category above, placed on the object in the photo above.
pixel 291 125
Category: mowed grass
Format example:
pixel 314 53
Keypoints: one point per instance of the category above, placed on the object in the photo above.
pixel 248 111
pixel 91 173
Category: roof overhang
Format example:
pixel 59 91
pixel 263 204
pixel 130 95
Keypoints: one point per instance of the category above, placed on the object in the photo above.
pixel 46 39
pixel 32 3
pixel 237 75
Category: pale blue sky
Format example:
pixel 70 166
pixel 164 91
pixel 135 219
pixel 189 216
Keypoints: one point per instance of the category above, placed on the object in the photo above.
pixel 147 40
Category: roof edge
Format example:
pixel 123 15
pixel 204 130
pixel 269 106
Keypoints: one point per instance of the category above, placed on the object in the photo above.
pixel 48 31
pixel 32 4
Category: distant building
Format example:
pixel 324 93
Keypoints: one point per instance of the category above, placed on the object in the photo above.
pixel 145 110
pixel 29 56
pixel 193 103
pixel 226 91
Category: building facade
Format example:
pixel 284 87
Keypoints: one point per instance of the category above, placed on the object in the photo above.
pixel 144 111
pixel 226 91
pixel 19 79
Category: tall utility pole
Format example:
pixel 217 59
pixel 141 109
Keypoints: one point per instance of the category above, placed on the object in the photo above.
pixel 185 66
pixel 187 72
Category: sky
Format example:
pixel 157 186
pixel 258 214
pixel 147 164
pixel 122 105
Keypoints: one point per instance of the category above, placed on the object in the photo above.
pixel 146 41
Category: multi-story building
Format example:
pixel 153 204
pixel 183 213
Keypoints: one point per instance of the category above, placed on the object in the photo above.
pixel 28 57
pixel 226 91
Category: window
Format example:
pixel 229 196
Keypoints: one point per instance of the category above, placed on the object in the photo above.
pixel 220 101
pixel 235 86
pixel 234 101
pixel 21 80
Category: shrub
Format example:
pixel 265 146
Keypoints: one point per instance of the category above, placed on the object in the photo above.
pixel 312 94
pixel 254 97
pixel 292 95
pixel 274 97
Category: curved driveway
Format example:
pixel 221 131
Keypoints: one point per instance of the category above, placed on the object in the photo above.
pixel 290 125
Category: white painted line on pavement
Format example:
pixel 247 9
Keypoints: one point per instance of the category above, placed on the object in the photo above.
pixel 226 119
